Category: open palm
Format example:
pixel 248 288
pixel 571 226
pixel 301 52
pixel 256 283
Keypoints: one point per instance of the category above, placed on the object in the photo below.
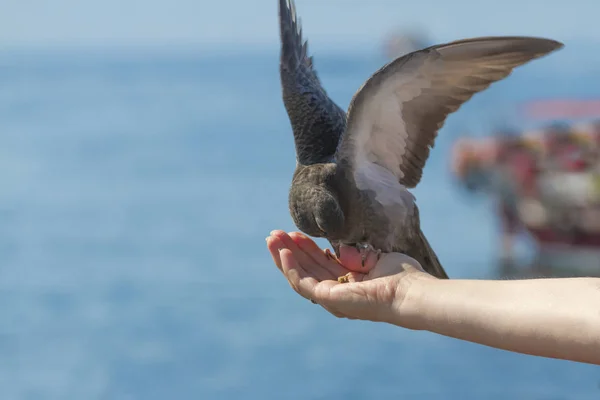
pixel 369 294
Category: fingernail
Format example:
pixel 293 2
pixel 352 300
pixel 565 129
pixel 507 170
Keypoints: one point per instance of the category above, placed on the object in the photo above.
pixel 280 249
pixel 267 238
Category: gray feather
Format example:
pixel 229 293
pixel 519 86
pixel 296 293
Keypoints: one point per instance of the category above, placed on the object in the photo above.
pixel 394 118
pixel 317 122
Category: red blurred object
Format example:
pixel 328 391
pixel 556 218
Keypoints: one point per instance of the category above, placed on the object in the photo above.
pixel 547 182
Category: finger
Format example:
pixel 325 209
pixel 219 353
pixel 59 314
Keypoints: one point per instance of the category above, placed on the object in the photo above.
pixel 303 259
pixel 303 281
pixel 297 276
pixel 274 244
pixel 316 253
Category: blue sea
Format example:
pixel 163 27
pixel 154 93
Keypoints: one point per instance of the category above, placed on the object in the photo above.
pixel 137 188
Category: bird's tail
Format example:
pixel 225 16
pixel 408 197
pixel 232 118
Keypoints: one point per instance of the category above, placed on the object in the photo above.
pixel 429 261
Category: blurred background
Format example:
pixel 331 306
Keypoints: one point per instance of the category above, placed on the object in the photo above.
pixel 145 154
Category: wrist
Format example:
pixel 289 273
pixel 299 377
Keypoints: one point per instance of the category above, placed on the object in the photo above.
pixel 409 307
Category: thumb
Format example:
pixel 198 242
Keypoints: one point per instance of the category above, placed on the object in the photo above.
pixel 351 258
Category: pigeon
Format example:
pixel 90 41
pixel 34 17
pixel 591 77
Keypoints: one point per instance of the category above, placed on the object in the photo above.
pixel 354 169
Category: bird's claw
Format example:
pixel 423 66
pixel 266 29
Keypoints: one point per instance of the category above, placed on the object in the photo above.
pixel 328 254
pixel 331 256
pixel 364 249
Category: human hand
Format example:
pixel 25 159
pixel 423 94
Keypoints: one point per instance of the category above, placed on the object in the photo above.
pixel 377 292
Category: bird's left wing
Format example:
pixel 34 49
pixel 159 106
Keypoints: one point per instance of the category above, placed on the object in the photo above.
pixel 394 117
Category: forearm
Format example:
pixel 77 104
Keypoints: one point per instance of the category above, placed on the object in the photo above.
pixel 558 318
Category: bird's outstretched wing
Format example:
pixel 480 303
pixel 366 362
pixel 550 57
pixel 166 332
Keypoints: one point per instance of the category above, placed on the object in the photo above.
pixel 393 119
pixel 317 122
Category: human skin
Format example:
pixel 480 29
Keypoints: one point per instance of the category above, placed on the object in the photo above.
pixel 555 318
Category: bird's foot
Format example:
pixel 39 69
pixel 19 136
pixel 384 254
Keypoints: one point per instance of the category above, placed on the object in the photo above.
pixel 358 257
pixel 364 249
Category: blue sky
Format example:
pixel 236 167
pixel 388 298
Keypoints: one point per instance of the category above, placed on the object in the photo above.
pixel 337 23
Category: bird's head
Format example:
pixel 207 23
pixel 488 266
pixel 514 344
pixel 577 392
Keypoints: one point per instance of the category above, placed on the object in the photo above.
pixel 317 212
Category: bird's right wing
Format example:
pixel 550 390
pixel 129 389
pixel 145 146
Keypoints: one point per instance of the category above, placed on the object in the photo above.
pixel 317 122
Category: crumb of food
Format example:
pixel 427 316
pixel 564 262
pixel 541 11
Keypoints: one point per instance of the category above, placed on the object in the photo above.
pixel 343 279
